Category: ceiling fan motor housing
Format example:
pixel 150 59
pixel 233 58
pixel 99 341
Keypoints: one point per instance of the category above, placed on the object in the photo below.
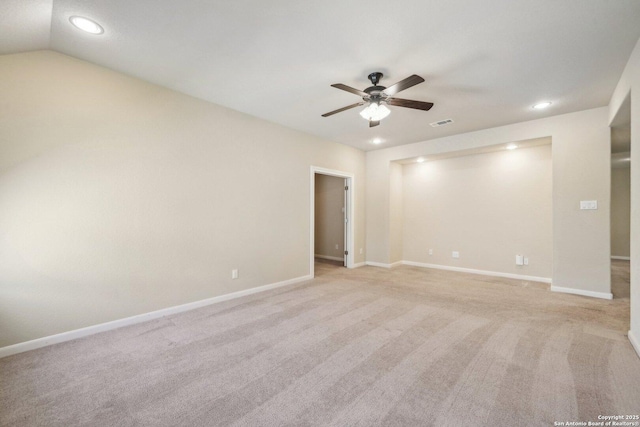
pixel 375 91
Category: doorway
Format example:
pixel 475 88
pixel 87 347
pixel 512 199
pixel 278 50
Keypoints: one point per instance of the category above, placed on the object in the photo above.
pixel 330 219
pixel 331 213
pixel 620 207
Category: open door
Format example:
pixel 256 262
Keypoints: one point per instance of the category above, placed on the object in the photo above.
pixel 345 204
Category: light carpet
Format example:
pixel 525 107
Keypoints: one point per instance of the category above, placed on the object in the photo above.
pixel 365 347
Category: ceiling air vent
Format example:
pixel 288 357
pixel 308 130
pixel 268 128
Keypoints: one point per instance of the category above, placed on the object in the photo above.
pixel 441 123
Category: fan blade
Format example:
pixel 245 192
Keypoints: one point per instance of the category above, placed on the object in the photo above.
pixel 373 123
pixel 339 110
pixel 403 84
pixel 350 89
pixel 408 103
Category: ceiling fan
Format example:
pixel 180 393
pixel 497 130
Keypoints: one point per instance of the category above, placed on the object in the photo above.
pixel 377 96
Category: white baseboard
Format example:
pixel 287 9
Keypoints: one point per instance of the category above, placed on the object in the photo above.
pixel 593 294
pixel 360 264
pixel 383 265
pixel 378 264
pixel 139 318
pixel 481 272
pixel 623 258
pixel 634 342
pixel 332 258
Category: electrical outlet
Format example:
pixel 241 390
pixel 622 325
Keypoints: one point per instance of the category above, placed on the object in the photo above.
pixel 526 261
pixel 455 254
pixel 360 251
pixel 234 274
pixel 430 251
pixel 337 247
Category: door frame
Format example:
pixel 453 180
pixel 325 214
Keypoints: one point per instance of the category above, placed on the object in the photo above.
pixel 349 211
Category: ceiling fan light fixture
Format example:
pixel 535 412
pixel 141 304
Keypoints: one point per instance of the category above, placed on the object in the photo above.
pixel 86 24
pixel 375 112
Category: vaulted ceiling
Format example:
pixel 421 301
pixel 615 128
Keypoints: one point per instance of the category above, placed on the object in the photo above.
pixel 485 62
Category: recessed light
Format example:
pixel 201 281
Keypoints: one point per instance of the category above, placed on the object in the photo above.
pixel 541 105
pixel 420 160
pixel 86 24
pixel 511 147
pixel 376 141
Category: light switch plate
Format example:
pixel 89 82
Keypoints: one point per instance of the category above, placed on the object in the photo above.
pixel 588 204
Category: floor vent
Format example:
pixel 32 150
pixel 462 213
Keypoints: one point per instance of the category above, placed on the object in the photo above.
pixel 441 123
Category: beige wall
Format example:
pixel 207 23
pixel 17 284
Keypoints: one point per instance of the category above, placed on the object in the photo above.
pixel 378 193
pixel 396 213
pixel 620 211
pixel 118 197
pixel 630 83
pixel 329 216
pixel 488 207
pixel 581 171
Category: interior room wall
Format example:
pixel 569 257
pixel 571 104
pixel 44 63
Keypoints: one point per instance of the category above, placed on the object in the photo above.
pixel 396 213
pixel 629 84
pixel 329 217
pixel 581 171
pixel 620 211
pixel 119 197
pixel 377 196
pixel 488 207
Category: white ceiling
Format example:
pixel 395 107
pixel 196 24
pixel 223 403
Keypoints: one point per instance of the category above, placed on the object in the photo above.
pixel 485 62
